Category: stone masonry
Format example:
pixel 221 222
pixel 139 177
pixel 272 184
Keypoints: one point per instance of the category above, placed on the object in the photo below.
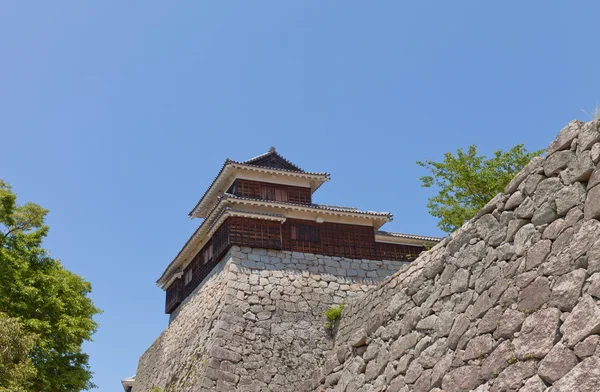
pixel 509 302
pixel 256 322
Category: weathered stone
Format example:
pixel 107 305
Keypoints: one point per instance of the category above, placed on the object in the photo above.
pixel 554 163
pixel 524 238
pixel 432 354
pixel 559 361
pixel 554 229
pixel 563 240
pixel 592 204
pixel 375 367
pixel 460 282
pixel 595 153
pixel 585 377
pixel 413 373
pixel 584 238
pixel 497 361
pixel 487 279
pixel 510 323
pixel 459 238
pixel 546 191
pixel 526 209
pixel 461 379
pixel 440 369
pixel 544 214
pixel 471 254
pixel 490 321
pixel 538 334
pixel 479 346
pixel 588 136
pixel 582 322
pixel 594 258
pixel 513 226
pixel 514 201
pixel 534 384
pixel 565 137
pixel 359 338
pixel 534 295
pixel 523 174
pixel 569 197
pixel 594 178
pixel 559 265
pixel 490 230
pixel 423 383
pixel 482 304
pixel 513 376
pixel 580 168
pixel 460 326
pixel 530 184
pixel 357 366
pixel 537 254
pixel 402 345
pixel 587 347
pixel 567 289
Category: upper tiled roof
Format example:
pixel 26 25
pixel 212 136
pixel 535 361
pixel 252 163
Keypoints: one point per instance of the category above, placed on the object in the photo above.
pixel 272 159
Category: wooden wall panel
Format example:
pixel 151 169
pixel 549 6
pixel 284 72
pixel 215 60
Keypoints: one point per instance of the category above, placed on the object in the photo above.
pixel 274 192
pixel 398 252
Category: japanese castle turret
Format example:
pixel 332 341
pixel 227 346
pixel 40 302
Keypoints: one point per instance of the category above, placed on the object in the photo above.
pixel 267 202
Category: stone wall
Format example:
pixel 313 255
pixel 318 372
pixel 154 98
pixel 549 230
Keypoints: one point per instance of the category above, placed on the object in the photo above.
pixel 256 323
pixel 509 302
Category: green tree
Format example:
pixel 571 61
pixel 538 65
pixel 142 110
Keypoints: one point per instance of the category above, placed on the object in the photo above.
pixel 16 368
pixel 467 181
pixel 50 301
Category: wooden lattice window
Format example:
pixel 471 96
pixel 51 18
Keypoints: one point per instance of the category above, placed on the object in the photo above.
pixel 305 233
pixel 273 193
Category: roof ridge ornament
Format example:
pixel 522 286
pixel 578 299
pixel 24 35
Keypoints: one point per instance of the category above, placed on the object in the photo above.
pixel 272 149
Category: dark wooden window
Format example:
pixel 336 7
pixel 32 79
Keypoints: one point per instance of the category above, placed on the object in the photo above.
pixel 255 233
pixel 249 189
pixel 273 193
pixel 305 233
pixel 299 195
pixel 189 274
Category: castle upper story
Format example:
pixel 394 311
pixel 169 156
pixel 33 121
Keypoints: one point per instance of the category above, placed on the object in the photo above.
pixel 267 202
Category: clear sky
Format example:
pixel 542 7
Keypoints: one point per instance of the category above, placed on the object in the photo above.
pixel 116 115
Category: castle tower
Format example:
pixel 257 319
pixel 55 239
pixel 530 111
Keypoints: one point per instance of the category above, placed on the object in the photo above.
pixel 247 292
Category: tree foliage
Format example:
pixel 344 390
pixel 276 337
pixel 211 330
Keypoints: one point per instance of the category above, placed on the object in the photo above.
pixel 49 301
pixel 16 368
pixel 467 181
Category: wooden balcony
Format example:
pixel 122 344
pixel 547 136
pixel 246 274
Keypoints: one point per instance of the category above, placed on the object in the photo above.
pixel 174 296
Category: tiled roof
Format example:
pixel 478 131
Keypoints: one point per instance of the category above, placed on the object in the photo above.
pixel 272 152
pixel 281 169
pixel 407 236
pixel 351 210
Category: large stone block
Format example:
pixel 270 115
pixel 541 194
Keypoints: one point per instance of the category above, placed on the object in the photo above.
pixel 582 322
pixel 538 334
pixel 585 377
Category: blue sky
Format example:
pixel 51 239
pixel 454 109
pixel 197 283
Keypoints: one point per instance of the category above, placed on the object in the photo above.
pixel 117 115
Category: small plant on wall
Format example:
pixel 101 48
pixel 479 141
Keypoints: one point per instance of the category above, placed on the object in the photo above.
pixel 333 315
